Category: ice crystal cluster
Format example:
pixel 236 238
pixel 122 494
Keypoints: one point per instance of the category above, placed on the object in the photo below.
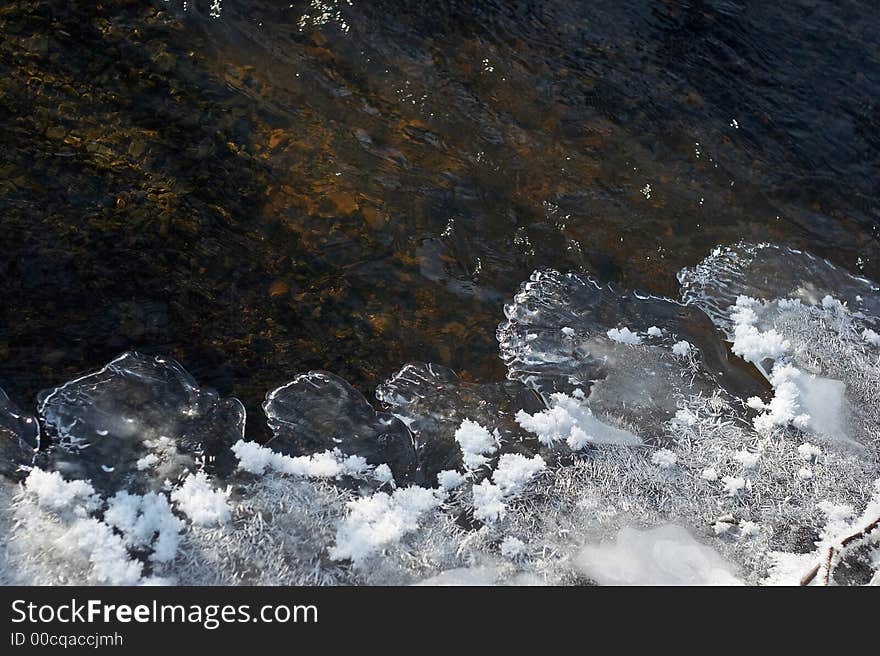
pixel 731 436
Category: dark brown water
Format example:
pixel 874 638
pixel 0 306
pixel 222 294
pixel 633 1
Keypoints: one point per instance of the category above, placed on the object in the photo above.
pixel 290 187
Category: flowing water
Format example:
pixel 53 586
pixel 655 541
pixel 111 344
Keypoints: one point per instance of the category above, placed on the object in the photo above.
pixel 259 189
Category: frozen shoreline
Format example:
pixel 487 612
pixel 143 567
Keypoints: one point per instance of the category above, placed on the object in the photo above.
pixel 626 442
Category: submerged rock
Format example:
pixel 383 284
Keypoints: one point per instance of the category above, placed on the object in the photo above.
pixel 665 555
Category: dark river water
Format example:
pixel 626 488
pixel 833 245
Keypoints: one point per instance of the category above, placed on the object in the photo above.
pixel 352 185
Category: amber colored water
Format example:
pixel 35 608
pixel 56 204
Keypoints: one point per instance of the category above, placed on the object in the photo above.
pixel 287 187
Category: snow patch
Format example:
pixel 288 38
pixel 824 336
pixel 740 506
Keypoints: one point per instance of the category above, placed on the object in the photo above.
pixel 509 479
pixel 489 503
pixel 665 555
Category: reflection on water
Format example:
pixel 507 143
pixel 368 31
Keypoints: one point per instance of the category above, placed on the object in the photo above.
pixel 261 188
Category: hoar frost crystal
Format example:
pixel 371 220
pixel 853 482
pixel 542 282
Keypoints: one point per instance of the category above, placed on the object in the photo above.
pixel 628 446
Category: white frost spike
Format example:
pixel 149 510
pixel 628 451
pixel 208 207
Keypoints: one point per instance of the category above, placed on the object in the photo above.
pixel 750 343
pixel 515 470
pixel 734 485
pixel 380 520
pixel 488 502
pixel 664 458
pixel 808 402
pixel 513 473
pixel 449 479
pixel 570 420
pixel 200 502
pixel 805 473
pixel 54 493
pixel 872 337
pixel 747 459
pixel 831 303
pixel 809 452
pixel 256 459
pixel 105 551
pixel 149 460
pixel 709 474
pixel 682 348
pixel 624 336
pixel 513 548
pixel 145 522
pixel 383 474
pixel 685 417
pixel 475 442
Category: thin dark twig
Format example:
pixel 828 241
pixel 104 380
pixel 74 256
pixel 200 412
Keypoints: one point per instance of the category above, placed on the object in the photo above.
pixel 845 542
